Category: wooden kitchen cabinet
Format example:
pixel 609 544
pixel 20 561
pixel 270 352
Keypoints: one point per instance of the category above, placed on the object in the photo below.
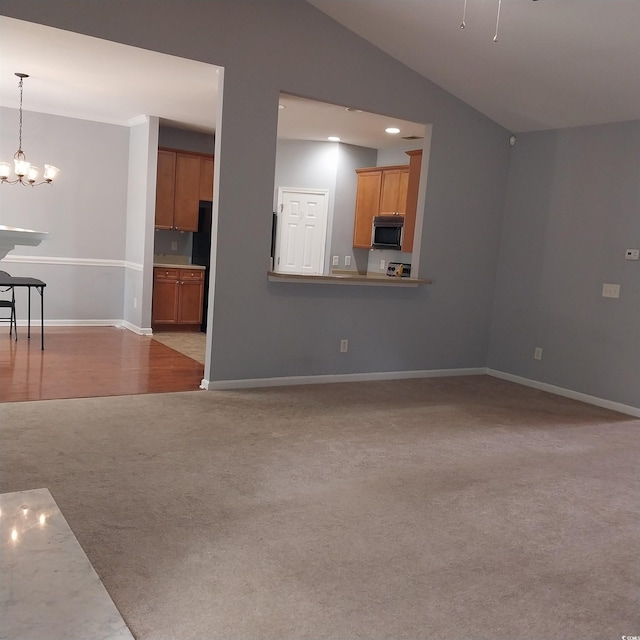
pixel 367 206
pixel 206 179
pixel 413 185
pixel 393 192
pixel 178 294
pixel 165 189
pixel 380 191
pixel 182 180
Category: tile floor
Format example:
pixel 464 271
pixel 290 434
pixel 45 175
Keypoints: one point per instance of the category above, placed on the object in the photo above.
pixel 190 344
pixel 49 588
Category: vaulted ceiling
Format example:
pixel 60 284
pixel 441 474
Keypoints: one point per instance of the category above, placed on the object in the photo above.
pixel 557 63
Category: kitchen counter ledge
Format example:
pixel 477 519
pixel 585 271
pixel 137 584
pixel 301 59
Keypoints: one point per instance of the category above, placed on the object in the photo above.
pixel 348 279
pixel 174 265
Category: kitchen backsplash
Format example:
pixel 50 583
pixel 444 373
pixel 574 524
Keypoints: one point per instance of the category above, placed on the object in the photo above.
pixel 388 256
pixel 165 240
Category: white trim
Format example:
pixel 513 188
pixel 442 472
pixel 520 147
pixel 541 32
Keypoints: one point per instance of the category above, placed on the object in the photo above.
pixel 340 377
pixel 82 262
pixel 142 119
pixel 567 393
pixel 114 322
pixel 135 329
pixel 35 322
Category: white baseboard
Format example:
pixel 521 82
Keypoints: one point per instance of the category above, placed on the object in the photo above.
pixel 35 322
pixel 567 393
pixel 113 322
pixel 132 327
pixel 250 383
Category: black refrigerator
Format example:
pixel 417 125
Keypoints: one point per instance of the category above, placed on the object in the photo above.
pixel 201 253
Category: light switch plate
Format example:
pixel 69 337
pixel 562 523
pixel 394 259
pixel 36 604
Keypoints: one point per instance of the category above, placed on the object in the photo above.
pixel 632 254
pixel 610 290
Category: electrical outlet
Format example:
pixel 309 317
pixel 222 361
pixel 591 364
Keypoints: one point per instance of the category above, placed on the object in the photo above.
pixel 174 246
pixel 336 261
pixel 382 264
pixel 537 353
pixel 632 254
pixel 610 290
pixel 135 303
pixel 344 346
pixel 347 261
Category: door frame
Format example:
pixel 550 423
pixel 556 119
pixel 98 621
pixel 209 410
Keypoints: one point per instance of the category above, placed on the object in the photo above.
pixel 323 247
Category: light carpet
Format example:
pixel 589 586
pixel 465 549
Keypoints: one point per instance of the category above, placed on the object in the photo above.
pixel 442 508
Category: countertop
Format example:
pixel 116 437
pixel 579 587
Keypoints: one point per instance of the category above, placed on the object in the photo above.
pixel 167 265
pixel 348 279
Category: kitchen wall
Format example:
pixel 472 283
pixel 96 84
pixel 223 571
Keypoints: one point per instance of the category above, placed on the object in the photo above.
pixel 443 326
pixel 84 211
pixel 185 140
pixel 572 208
pixel 331 166
pixel 350 158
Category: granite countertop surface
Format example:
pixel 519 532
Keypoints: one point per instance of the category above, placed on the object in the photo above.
pixel 173 265
pixel 349 278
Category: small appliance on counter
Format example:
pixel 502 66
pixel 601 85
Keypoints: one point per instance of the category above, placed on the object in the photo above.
pixel 399 269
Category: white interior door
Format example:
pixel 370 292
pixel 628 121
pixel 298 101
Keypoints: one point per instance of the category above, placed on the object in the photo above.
pixel 302 230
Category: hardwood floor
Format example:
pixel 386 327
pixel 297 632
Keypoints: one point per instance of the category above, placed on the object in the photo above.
pixel 80 362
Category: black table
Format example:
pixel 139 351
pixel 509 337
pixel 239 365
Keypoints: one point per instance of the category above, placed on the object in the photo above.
pixel 30 283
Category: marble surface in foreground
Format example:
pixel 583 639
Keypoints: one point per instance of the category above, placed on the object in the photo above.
pixel 48 588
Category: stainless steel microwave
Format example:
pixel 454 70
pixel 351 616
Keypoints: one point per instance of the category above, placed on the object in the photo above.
pixel 386 232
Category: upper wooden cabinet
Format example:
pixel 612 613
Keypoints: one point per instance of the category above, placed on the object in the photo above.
pixel 165 189
pixel 367 206
pixel 206 179
pixel 393 194
pixel 381 191
pixel 183 179
pixel 413 185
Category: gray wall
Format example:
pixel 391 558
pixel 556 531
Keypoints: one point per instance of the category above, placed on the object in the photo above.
pixel 573 207
pixel 350 158
pixel 263 329
pixel 84 211
pixel 185 140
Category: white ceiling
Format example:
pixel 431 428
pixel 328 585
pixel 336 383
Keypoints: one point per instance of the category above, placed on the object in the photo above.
pixel 82 77
pixel 557 63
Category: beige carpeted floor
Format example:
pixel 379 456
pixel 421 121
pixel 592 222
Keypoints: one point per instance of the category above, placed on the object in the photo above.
pixel 190 343
pixel 441 509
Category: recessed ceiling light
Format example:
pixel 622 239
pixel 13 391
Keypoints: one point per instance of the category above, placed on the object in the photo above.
pixel 354 110
pixel 282 106
pixel 392 130
pixel 333 139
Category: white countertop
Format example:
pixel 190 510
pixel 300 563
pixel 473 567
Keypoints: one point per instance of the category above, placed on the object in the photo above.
pixel 167 265
pixel 348 279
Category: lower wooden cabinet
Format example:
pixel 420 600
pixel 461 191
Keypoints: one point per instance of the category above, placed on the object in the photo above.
pixel 178 295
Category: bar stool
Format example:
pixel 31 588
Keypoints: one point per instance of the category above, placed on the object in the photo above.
pixel 11 305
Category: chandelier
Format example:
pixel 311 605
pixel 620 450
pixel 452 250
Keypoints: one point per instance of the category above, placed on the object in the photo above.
pixel 26 173
pixel 463 24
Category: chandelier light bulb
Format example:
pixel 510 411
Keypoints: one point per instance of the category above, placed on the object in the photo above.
pixel 50 172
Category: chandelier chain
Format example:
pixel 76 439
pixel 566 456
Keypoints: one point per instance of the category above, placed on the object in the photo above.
pixel 20 125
